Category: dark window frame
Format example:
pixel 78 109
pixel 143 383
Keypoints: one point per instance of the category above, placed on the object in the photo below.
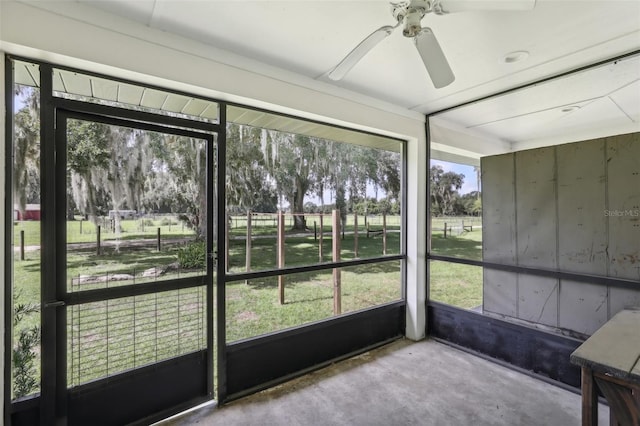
pixel 48 105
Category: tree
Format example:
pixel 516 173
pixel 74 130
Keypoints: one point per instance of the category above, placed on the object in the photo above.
pixel 26 185
pixel 477 206
pixel 126 169
pixel 247 180
pixel 444 189
pixel 290 160
pixel 88 152
pixel 325 166
pixel 388 172
pixel 176 176
pixel 292 167
pixel 468 204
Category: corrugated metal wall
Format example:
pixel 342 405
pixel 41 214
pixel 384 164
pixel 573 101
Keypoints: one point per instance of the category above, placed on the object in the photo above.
pixel 573 208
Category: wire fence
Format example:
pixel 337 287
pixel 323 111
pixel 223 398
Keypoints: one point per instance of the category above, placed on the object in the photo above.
pixel 269 220
pixel 112 336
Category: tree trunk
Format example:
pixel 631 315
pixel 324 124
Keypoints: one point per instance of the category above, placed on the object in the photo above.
pixel 341 203
pixel 91 199
pixel 299 221
pixel 297 208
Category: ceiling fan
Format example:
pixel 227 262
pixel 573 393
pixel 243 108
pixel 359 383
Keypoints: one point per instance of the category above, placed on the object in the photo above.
pixel 409 14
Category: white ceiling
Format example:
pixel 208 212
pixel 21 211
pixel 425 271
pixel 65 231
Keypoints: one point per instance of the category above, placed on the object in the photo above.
pixel 310 37
pixel 598 102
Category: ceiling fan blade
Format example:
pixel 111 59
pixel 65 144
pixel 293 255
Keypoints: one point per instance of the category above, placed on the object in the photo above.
pixel 468 5
pixel 434 59
pixel 359 51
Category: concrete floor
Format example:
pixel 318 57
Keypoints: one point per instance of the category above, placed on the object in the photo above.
pixel 404 383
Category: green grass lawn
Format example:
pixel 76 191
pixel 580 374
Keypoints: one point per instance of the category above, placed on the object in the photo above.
pixel 468 245
pixel 253 307
pixel 452 283
pixel 455 284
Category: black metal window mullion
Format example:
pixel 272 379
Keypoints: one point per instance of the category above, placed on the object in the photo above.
pixel 221 272
pixel 427 130
pixel 310 268
pixel 403 221
pixel 140 117
pixel 50 257
pixel 548 273
pixel 209 309
pixel 97 295
pixel 8 239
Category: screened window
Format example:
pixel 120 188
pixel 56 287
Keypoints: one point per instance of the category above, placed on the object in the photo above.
pixel 456 231
pixel 303 199
pixel 25 176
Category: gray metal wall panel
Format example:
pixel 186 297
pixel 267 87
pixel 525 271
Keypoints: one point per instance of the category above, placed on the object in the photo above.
pixel 622 298
pixel 582 231
pixel 588 221
pixel 623 213
pixel 536 208
pixel 583 306
pixel 498 213
pixel 500 292
pixel 538 299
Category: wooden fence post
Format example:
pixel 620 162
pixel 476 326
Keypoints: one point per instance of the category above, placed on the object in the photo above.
pixel 247 245
pixel 320 254
pixel 22 244
pixel 158 242
pixel 445 230
pixel 337 281
pixel 384 234
pixel 98 240
pixel 281 256
pixel 355 234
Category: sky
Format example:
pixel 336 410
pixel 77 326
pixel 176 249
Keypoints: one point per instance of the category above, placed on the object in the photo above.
pixel 470 179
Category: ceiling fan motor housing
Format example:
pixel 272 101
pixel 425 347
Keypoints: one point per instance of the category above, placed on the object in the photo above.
pixel 411 13
pixel 412 25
